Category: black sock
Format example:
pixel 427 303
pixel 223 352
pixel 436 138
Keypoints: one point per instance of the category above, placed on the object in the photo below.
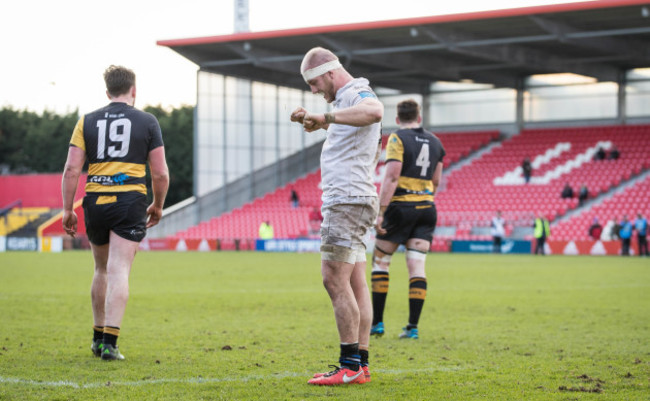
pixel 379 292
pixel 350 357
pixel 98 332
pixel 110 335
pixel 417 294
pixel 364 357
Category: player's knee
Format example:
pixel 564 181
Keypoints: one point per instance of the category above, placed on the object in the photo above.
pixel 379 262
pixel 331 284
pixel 416 255
pixel 415 261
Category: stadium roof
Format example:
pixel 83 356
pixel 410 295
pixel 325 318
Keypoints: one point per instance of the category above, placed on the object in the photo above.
pixel 599 39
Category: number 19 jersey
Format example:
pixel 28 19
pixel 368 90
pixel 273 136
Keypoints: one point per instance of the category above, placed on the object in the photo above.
pixel 117 140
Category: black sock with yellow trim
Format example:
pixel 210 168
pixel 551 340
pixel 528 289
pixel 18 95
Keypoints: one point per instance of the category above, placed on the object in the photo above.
pixel 379 281
pixel 111 334
pixel 417 294
pixel 98 333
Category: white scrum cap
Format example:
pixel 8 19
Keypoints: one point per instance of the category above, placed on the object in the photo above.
pixel 312 73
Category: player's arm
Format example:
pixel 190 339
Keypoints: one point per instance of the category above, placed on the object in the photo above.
pixel 160 184
pixel 437 177
pixel 366 112
pixel 387 190
pixel 71 173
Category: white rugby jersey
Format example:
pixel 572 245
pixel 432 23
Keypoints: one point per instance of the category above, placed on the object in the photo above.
pixel 349 155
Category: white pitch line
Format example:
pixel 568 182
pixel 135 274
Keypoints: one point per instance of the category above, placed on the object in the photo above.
pixel 197 380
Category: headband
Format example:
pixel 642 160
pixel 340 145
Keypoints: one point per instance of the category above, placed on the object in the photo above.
pixel 312 73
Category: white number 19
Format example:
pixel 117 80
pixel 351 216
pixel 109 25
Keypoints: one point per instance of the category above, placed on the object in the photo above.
pixel 115 136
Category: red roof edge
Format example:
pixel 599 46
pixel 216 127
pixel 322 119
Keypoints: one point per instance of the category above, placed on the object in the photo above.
pixel 436 19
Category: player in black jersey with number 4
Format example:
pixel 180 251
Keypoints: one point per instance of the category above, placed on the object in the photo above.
pixel 117 141
pixel 407 213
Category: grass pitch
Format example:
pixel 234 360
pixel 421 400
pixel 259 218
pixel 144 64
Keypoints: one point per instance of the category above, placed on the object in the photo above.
pixel 229 325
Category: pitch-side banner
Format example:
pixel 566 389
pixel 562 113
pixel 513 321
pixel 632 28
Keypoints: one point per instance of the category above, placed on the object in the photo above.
pixel 507 246
pixel 588 247
pixel 288 245
pixel 22 244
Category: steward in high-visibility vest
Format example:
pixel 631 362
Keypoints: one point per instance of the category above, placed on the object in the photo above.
pixel 266 230
pixel 542 228
pixel 542 231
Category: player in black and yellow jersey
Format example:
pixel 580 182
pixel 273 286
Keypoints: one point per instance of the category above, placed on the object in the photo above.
pixel 117 141
pixel 407 212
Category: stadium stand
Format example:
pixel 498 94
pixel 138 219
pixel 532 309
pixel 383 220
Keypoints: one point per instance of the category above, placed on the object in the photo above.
pixel 35 190
pixel 474 191
pixel 630 201
pixel 552 85
pixel 243 223
pixel 459 145
pixel 13 219
pixel 494 181
pixel 39 198
pixel 482 184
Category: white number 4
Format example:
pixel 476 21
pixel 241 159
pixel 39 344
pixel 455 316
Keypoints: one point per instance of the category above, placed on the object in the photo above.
pixel 423 159
pixel 115 136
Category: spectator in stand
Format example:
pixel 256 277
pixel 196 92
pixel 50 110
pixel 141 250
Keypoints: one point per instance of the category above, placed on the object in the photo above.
pixel 616 230
pixel 600 154
pixel 614 154
pixel 606 235
pixel 567 191
pixel 625 234
pixel 595 230
pixel 583 195
pixel 295 200
pixel 527 167
pixel 498 231
pixel 315 215
pixel 641 227
pixel 266 230
pixel 315 220
pixel 542 232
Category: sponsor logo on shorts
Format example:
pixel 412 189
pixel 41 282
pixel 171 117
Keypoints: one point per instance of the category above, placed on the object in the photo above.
pixel 136 233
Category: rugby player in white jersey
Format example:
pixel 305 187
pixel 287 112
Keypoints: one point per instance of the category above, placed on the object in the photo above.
pixel 350 202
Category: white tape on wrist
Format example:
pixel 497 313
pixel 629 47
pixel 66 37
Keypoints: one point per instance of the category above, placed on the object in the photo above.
pixel 312 73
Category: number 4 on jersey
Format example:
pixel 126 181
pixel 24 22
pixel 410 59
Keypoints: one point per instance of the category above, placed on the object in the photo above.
pixel 423 159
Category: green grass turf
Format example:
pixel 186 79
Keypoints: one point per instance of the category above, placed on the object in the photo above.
pixel 494 327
